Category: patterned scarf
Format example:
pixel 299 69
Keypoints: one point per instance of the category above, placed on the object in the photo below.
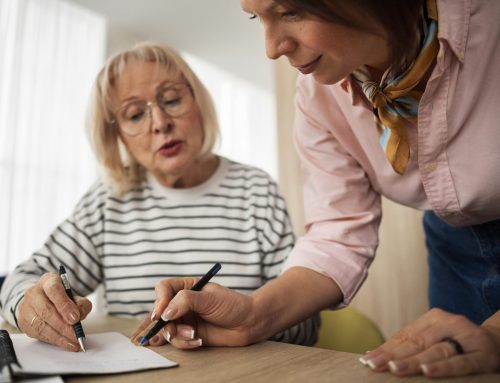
pixel 394 99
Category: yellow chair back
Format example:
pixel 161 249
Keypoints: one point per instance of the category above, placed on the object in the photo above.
pixel 348 330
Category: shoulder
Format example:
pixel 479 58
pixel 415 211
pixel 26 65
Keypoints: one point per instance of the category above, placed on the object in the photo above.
pixel 245 174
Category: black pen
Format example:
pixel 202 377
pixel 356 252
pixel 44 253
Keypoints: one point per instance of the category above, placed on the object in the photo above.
pixel 197 287
pixel 80 335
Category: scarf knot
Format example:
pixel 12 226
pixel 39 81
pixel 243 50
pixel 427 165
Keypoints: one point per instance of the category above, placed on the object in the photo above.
pixel 395 100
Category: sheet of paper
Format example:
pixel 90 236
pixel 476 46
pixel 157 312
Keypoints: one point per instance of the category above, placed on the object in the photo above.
pixel 107 353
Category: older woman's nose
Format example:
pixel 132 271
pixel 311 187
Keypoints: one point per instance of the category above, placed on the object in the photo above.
pixel 160 121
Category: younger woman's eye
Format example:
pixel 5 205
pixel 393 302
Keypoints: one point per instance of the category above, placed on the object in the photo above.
pixel 252 17
pixel 289 15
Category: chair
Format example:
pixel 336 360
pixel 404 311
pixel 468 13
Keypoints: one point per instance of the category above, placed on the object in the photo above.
pixel 348 330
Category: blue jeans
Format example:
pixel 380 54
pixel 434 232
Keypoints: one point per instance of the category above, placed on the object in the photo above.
pixel 464 267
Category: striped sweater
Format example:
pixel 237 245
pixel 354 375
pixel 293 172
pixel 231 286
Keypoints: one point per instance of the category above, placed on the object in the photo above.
pixel 128 244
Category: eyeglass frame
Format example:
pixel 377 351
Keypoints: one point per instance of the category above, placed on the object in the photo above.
pixel 149 106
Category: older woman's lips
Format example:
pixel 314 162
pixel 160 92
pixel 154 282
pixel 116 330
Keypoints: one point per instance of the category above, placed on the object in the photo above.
pixel 310 67
pixel 171 148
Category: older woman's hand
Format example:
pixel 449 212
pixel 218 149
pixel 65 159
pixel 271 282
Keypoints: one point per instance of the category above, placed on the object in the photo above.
pixel 440 344
pixel 47 313
pixel 213 316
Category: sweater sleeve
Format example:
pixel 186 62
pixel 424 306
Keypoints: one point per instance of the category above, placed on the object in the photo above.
pixel 277 240
pixel 74 244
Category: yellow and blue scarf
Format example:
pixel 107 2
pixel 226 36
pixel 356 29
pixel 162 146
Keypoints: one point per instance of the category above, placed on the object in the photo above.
pixel 395 100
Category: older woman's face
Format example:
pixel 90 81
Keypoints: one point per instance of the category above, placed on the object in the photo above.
pixel 330 52
pixel 170 146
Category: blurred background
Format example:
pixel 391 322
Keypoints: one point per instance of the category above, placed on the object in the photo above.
pixel 50 53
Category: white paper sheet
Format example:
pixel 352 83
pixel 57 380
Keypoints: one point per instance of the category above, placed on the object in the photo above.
pixel 107 353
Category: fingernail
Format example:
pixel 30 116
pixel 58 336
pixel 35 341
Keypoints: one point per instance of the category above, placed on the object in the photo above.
pixel 397 366
pixel 73 346
pixel 153 314
pixel 187 333
pixel 167 336
pixel 376 362
pixel 154 339
pixel 196 342
pixel 425 369
pixel 73 316
pixel 363 361
pixel 168 313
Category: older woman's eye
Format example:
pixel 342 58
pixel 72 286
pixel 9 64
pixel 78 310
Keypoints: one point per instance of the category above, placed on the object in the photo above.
pixel 134 115
pixel 171 102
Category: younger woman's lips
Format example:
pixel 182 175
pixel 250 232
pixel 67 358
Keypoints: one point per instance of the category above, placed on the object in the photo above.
pixel 309 68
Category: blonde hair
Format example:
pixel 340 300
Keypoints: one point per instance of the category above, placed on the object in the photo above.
pixel 121 170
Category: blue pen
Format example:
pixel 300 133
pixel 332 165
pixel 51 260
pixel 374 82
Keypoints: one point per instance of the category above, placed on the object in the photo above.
pixel 197 287
pixel 80 335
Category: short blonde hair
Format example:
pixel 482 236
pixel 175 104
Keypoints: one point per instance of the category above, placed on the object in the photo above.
pixel 121 170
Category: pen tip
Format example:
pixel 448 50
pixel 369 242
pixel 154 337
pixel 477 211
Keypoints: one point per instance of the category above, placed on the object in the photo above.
pixel 143 341
pixel 82 345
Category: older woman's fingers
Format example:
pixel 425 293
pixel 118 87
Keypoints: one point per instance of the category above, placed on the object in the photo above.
pixel 37 328
pixel 84 306
pixel 36 302
pixel 54 290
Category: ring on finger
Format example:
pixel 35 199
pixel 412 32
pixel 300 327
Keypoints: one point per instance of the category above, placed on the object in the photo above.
pixel 33 320
pixel 455 343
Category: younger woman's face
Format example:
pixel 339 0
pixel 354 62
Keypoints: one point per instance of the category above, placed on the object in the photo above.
pixel 327 51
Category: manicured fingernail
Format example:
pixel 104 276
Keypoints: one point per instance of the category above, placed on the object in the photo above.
pixel 425 369
pixel 168 313
pixel 167 336
pixel 153 314
pixel 187 333
pixel 363 361
pixel 376 362
pixel 196 342
pixel 397 366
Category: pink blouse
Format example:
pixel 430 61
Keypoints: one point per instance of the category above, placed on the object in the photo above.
pixel 454 167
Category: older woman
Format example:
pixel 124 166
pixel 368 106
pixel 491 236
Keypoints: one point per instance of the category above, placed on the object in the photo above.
pixel 165 206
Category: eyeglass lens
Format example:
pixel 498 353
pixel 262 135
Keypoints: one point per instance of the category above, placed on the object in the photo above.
pixel 174 100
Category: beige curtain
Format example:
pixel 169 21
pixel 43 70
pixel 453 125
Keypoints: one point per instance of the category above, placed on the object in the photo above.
pixel 395 292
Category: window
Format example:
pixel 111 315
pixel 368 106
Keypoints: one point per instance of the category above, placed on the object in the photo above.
pixel 51 51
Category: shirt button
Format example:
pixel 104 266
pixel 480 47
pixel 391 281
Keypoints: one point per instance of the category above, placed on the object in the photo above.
pixel 431 166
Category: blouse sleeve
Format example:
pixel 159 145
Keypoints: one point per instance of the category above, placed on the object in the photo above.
pixel 342 210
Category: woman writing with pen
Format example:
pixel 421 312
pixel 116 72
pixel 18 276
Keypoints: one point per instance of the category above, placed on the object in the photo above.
pixel 395 98
pixel 166 206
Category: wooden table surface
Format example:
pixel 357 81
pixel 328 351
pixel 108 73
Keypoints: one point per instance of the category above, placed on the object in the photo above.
pixel 263 362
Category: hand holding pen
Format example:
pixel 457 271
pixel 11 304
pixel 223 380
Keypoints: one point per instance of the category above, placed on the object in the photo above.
pixel 45 312
pixel 162 322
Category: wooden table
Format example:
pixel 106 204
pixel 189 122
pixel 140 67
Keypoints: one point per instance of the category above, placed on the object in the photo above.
pixel 263 362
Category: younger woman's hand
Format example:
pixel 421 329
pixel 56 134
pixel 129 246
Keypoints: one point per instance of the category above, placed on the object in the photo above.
pixel 440 344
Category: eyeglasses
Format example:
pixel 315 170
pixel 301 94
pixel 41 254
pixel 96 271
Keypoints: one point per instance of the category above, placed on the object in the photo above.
pixel 136 118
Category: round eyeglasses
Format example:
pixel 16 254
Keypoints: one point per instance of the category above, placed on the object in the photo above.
pixel 136 117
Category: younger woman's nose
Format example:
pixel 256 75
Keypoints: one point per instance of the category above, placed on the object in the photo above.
pixel 278 44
